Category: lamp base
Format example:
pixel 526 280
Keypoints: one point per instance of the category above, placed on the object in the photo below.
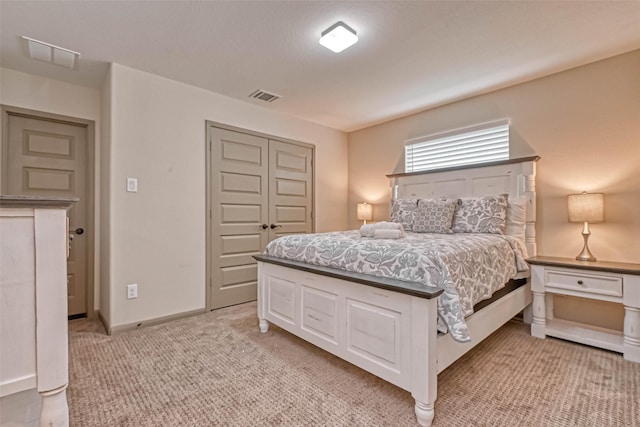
pixel 586 254
pixel 585 258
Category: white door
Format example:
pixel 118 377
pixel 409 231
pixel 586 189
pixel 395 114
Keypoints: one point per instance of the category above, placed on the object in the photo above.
pixel 259 189
pixel 48 158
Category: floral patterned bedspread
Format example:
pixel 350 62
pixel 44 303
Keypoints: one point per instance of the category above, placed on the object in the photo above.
pixel 470 267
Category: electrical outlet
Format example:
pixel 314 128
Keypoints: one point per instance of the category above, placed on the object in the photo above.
pixel 132 291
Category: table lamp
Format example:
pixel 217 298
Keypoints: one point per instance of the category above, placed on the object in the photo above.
pixel 586 208
pixel 364 212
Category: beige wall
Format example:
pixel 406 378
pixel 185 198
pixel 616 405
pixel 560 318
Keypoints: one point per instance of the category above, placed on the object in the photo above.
pixel 584 123
pixel 53 96
pixel 157 236
pixel 23 90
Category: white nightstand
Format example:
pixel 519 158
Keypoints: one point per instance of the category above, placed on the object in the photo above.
pixel 600 280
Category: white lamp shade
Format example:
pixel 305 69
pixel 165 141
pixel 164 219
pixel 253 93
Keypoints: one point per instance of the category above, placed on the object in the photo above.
pixel 364 212
pixel 586 207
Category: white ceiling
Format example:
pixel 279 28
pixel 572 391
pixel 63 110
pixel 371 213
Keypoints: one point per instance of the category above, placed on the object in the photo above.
pixel 412 55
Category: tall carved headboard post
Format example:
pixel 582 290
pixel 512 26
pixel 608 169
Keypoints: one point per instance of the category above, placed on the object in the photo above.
pixel 529 191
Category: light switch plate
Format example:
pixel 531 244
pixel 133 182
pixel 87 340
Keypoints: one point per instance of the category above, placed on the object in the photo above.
pixel 132 185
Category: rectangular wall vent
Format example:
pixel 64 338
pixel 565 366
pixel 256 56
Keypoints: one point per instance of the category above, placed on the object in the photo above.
pixel 263 95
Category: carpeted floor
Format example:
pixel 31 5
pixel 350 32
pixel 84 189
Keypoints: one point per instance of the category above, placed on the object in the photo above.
pixel 216 369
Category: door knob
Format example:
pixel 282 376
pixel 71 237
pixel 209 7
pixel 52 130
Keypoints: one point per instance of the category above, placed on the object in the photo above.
pixel 273 226
pixel 79 230
pixel 264 226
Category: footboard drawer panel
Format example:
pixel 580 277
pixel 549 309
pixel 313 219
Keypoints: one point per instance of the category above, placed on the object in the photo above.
pixel 281 298
pixel 320 314
pixel 373 333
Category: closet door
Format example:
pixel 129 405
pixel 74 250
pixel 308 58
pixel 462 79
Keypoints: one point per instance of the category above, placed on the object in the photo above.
pixel 290 189
pixel 239 208
pixel 259 189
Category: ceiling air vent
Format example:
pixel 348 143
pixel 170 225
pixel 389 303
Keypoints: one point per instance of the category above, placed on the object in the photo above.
pixel 264 96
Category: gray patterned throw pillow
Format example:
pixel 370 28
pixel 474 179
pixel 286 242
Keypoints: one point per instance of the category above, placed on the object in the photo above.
pixel 434 216
pixel 404 212
pixel 481 215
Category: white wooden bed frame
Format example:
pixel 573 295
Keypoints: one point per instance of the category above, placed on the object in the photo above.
pixel 389 333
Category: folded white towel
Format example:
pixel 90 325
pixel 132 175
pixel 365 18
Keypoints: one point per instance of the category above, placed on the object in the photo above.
pixel 367 230
pixel 386 233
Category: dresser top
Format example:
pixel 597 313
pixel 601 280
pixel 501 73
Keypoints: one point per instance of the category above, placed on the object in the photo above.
pixel 36 202
pixel 607 266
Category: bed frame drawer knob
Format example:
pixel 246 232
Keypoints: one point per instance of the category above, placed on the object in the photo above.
pixel 580 282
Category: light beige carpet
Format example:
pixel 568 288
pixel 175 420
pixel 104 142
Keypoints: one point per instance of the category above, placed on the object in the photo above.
pixel 216 369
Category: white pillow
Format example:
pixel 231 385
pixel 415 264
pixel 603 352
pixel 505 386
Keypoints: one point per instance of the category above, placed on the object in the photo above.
pixel 516 218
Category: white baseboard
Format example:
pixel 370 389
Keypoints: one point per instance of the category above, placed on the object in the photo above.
pixel 118 329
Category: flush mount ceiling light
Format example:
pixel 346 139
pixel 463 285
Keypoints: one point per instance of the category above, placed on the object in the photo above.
pixel 338 37
pixel 52 54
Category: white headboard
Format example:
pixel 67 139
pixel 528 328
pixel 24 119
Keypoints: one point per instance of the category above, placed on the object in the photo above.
pixel 516 177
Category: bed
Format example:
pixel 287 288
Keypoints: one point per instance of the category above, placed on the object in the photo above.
pixel 389 326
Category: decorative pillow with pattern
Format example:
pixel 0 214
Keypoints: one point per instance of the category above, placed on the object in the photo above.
pixel 404 212
pixel 435 216
pixel 481 215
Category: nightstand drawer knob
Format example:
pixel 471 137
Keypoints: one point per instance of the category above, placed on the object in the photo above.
pixel 579 282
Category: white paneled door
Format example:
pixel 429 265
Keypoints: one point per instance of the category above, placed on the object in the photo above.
pixel 290 189
pixel 49 158
pixel 259 189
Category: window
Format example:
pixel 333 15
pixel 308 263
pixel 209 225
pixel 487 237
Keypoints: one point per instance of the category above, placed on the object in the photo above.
pixel 483 143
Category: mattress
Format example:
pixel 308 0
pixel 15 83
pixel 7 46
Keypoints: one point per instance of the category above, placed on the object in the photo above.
pixel 469 267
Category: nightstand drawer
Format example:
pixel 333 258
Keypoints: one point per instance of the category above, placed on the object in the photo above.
pixel 584 282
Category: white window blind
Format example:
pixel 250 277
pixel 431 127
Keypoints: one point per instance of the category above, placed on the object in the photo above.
pixel 477 144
